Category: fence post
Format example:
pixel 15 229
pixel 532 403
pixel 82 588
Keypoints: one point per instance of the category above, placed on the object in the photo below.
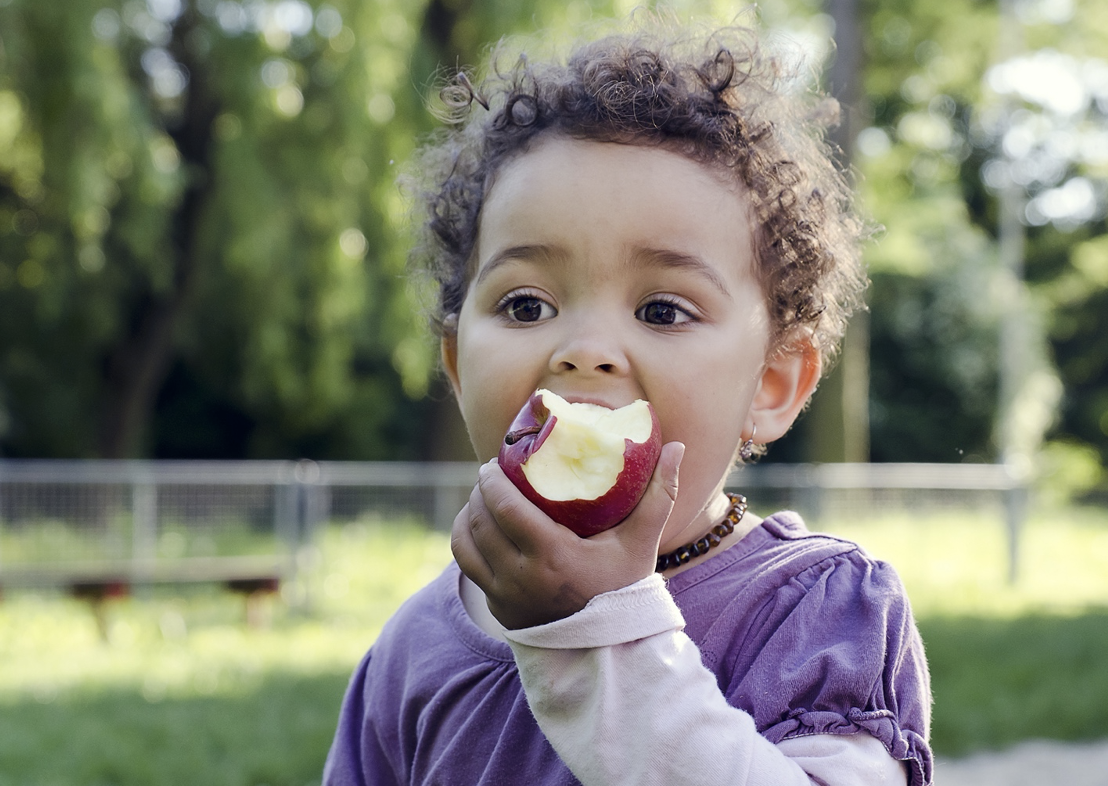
pixel 443 512
pixel 1015 513
pixel 811 485
pixel 309 509
pixel 144 523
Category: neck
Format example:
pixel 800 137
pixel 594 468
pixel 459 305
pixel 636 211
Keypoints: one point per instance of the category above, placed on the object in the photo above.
pixel 720 535
pixel 708 516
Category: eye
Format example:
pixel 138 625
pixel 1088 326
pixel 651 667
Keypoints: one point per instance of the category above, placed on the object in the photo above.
pixel 662 312
pixel 527 308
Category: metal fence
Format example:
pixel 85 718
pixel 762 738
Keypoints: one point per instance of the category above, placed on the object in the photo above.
pixel 101 523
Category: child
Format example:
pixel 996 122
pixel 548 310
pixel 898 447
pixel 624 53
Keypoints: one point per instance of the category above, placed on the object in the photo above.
pixel 650 220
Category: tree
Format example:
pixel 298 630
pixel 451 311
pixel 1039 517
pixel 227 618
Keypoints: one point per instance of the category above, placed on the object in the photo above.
pixel 201 193
pixel 201 236
pixel 932 162
pixel 202 244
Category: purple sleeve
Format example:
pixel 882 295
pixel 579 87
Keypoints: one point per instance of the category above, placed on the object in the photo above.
pixel 841 654
pixel 355 749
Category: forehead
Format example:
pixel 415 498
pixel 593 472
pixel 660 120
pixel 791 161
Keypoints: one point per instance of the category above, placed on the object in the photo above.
pixel 581 158
pixel 564 188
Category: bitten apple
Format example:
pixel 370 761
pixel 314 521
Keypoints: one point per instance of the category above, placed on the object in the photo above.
pixel 584 465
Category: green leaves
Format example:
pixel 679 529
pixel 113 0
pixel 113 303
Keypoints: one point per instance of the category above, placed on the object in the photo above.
pixel 195 186
pixel 201 234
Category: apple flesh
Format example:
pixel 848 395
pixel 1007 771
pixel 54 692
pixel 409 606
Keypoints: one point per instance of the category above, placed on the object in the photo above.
pixel 584 465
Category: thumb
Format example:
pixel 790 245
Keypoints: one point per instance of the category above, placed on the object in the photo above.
pixel 642 530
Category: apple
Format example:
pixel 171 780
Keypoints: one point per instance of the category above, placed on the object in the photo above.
pixel 584 465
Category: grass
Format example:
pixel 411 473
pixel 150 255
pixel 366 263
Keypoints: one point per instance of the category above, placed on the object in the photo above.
pixel 997 681
pixel 182 692
pixel 274 730
pixel 958 564
pixel 50 541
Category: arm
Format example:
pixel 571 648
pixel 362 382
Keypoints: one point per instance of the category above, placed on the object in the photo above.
pixel 647 707
pixel 623 697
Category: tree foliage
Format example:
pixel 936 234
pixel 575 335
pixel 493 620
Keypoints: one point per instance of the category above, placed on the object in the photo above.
pixel 955 120
pixel 202 244
pixel 196 228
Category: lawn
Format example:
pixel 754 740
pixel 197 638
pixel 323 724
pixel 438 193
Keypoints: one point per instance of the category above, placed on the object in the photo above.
pixel 182 692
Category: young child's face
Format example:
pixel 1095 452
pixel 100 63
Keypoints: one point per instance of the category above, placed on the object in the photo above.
pixel 606 273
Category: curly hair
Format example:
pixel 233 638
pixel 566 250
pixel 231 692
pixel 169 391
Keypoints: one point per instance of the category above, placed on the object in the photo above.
pixel 717 99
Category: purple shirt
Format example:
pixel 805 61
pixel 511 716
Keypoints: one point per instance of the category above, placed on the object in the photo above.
pixel 804 632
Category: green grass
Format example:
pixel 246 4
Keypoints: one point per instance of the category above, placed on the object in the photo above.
pixel 182 692
pixel 50 541
pixel 274 729
pixel 997 681
pixel 958 564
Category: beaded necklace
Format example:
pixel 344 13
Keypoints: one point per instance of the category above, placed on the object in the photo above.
pixel 680 556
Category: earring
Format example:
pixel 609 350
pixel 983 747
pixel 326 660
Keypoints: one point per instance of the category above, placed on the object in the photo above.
pixel 746 450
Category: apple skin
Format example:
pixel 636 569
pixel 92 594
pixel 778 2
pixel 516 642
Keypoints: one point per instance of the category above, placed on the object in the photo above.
pixel 585 517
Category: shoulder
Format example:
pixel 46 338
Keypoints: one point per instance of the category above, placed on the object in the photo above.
pixel 838 570
pixel 811 592
pixel 791 540
pixel 781 560
pixel 428 655
pixel 812 635
pixel 433 623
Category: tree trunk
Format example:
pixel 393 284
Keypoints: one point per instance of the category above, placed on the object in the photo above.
pixel 449 439
pixel 138 366
pixel 838 424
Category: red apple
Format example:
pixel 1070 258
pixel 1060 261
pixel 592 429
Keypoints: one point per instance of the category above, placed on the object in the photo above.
pixel 584 465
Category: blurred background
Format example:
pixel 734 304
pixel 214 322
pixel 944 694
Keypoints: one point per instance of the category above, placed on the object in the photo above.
pixel 202 257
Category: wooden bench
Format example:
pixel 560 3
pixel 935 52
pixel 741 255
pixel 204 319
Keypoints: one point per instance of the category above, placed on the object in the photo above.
pixel 252 577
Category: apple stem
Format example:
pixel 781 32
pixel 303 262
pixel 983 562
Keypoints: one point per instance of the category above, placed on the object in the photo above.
pixel 512 437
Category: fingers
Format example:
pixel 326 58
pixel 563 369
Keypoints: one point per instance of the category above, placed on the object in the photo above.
pixel 661 493
pixel 498 528
pixel 642 530
pixel 465 549
pixel 529 530
pixel 669 468
pixel 533 570
pixel 480 545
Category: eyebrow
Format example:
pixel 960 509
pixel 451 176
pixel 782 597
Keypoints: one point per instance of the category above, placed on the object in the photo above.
pixel 523 253
pixel 668 258
pixel 652 257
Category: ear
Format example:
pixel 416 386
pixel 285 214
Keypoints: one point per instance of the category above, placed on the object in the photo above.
pixel 448 346
pixel 788 381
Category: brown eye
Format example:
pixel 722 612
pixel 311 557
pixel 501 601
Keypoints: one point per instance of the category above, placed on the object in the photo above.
pixel 527 309
pixel 660 312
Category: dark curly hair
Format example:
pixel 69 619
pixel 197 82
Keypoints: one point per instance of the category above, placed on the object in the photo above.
pixel 720 101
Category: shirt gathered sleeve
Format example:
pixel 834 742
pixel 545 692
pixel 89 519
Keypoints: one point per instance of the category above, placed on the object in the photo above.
pixel 842 654
pixel 622 695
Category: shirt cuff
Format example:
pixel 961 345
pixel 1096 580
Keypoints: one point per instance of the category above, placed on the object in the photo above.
pixel 634 612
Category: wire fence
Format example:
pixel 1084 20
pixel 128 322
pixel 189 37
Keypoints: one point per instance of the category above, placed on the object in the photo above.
pixel 102 524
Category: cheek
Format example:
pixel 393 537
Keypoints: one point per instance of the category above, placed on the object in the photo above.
pixel 709 416
pixel 494 386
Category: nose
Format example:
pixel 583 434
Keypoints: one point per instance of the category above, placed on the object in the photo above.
pixel 590 347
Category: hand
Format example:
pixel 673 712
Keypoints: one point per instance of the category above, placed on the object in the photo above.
pixel 533 570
